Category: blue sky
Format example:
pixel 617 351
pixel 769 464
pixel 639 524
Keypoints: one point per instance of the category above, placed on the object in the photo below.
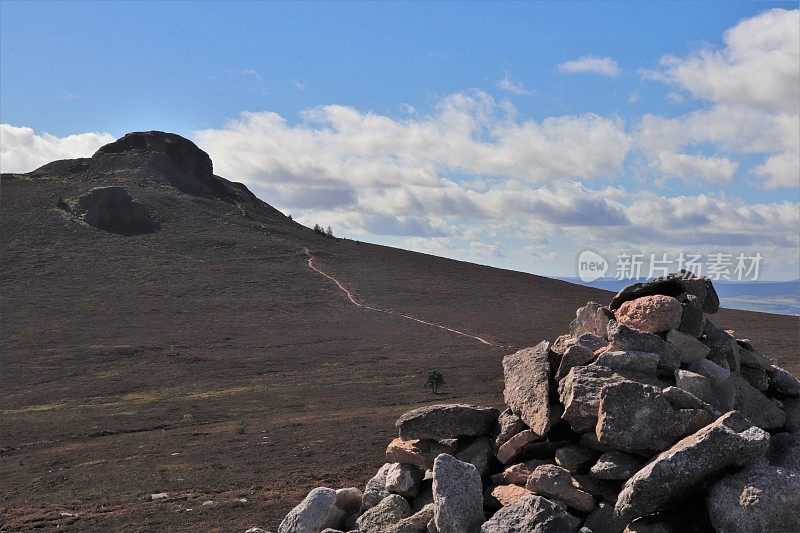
pixel 508 134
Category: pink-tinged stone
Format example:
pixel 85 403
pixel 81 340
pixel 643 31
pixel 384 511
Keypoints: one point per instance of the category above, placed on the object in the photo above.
pixel 518 474
pixel 509 494
pixel 651 314
pixel 419 452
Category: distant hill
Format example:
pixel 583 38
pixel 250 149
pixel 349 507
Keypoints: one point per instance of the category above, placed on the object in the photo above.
pixel 168 335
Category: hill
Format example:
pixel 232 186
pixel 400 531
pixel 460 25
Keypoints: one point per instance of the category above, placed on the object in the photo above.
pixel 195 352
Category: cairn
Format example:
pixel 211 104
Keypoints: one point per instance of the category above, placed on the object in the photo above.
pixel 644 417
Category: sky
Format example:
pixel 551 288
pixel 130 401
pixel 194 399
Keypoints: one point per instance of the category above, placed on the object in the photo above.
pixel 517 135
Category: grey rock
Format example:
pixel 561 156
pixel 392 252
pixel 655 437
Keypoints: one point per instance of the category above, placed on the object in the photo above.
pixel 783 382
pixel 457 496
pixel 517 474
pixel 723 349
pixel 616 466
pixel 756 407
pixel 758 378
pixel 553 481
pixel 563 342
pixel 600 489
pixel 634 417
pixel 516 445
pixel 692 319
pixel 723 392
pixel 591 341
pixel 479 454
pixel 575 458
pixel 791 406
pixel 695 384
pixel 728 441
pixel 375 490
pixel 416 523
pixel 316 512
pixel 589 440
pixel 532 514
pixel 527 389
pixel 349 499
pixel 438 422
pixel 384 517
pixel 689 348
pixel 664 286
pixel 643 362
pixel 508 425
pixel 603 520
pixel 579 392
pixel 588 319
pixel 764 496
pixel 576 355
pixel 681 399
pixel 749 356
pixel 625 339
pixel 403 479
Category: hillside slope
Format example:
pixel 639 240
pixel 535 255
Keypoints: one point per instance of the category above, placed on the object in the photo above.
pixel 202 357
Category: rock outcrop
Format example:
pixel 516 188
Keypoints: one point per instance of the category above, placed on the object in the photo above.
pixel 672 427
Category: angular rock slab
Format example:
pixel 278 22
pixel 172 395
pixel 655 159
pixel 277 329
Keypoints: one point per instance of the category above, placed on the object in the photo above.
pixel 375 490
pixel 420 452
pixel 764 496
pixel 316 512
pixel 729 440
pixel 437 422
pixel 579 392
pixel 532 514
pixel 690 349
pixel 622 338
pixel 508 425
pixel 403 479
pixel 527 388
pixel 416 523
pixel 755 406
pixel 637 418
pixel 518 474
pixel 384 516
pixel 553 481
pixel 457 496
pixel 615 466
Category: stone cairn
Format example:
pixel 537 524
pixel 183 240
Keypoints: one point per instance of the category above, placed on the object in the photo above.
pixel 646 417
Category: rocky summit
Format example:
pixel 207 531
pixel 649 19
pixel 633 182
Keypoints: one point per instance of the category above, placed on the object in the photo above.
pixel 646 416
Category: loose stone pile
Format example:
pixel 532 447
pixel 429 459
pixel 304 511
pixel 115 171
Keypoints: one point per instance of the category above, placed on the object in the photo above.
pixel 645 417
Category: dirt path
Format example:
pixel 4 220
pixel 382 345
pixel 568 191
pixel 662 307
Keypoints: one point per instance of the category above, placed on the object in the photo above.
pixel 352 299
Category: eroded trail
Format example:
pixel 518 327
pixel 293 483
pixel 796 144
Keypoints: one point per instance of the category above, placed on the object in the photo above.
pixel 352 299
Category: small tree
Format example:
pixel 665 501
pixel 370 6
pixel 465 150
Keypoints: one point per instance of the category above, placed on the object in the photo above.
pixel 434 381
pixel 329 232
pixel 318 229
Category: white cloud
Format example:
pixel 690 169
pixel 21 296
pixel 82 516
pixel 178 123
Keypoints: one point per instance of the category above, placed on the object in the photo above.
pixel 691 167
pixel 753 86
pixel 634 98
pixel 758 67
pixel 509 85
pixel 603 66
pixel 469 134
pixel 23 150
pixel 297 85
